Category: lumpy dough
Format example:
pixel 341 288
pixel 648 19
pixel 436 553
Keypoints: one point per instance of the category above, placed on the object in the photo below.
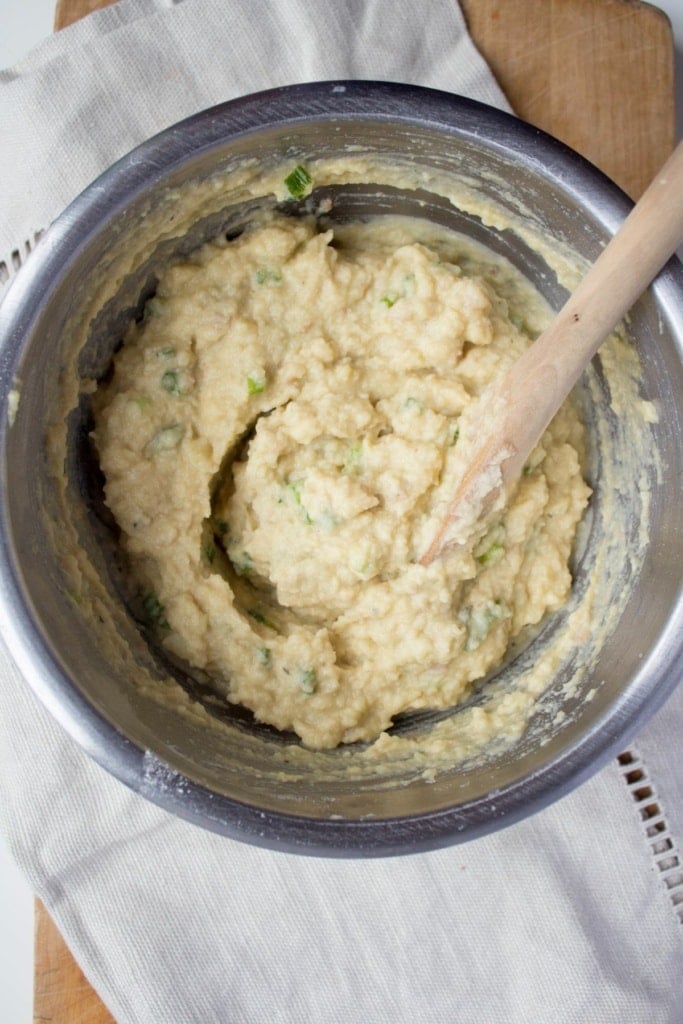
pixel 277 438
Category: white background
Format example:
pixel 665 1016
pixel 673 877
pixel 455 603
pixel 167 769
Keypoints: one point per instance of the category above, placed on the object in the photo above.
pixel 23 23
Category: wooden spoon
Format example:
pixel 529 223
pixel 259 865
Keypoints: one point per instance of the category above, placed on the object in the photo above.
pixel 512 414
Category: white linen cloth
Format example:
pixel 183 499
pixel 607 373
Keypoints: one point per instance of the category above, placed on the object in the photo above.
pixel 567 917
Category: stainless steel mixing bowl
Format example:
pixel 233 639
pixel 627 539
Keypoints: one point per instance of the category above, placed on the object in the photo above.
pixel 95 266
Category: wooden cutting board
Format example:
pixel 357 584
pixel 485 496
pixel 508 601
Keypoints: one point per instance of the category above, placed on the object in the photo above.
pixel 598 74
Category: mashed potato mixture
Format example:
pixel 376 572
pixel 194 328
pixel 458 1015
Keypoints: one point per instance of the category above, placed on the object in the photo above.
pixel 278 436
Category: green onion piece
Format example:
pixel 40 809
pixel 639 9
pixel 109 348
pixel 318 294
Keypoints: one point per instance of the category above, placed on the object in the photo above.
pixel 528 469
pixel 170 382
pixel 244 565
pixel 389 300
pixel 154 306
pixel 154 611
pixel 492 554
pixel 166 439
pixel 353 459
pixel 209 552
pixel 263 655
pixel 294 488
pixel 298 182
pixel 259 617
pixel 479 621
pixel 456 434
pixel 255 385
pixel 308 680
pixel 264 275
pixel 364 569
pixel 165 353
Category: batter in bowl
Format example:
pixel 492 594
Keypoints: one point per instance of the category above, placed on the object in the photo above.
pixel 278 436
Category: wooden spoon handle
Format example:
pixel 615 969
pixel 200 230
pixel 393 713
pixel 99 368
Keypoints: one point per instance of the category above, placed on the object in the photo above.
pixel 516 410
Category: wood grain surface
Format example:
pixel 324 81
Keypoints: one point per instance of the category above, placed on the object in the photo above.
pixel 61 993
pixel 69 11
pixel 598 74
